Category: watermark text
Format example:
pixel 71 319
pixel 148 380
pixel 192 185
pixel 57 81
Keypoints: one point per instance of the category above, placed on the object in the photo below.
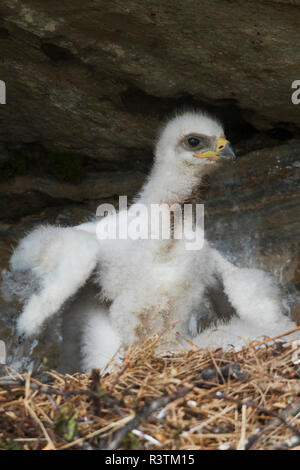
pixel 152 222
pixel 2 92
pixel 296 93
pixel 2 353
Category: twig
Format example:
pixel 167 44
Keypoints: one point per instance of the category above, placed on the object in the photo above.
pixel 147 437
pixel 279 418
pixel 33 413
pixel 48 390
pixel 95 433
pixel 143 413
pixel 261 343
pixel 242 442
pixel 292 410
pixel 119 375
pixel 208 374
pixel 95 379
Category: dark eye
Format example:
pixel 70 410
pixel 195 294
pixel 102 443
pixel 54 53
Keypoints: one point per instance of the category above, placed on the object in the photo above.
pixel 193 141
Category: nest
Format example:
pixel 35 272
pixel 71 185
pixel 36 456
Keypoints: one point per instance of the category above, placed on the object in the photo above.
pixel 192 400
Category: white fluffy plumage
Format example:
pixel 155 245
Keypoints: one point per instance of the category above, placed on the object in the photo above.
pixel 146 286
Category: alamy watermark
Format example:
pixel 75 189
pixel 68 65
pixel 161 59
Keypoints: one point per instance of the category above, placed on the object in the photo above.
pixel 152 222
pixel 2 353
pixel 2 92
pixel 296 94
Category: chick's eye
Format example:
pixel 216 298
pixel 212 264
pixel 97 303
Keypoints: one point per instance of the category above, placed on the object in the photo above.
pixel 193 141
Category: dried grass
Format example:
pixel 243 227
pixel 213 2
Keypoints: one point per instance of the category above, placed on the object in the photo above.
pixel 194 399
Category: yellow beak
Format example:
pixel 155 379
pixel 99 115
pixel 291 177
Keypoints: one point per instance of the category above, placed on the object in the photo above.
pixel 224 151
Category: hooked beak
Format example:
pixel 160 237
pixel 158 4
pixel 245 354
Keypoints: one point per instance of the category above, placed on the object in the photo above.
pixel 224 151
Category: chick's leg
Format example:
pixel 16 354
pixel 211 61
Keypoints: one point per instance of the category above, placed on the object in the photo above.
pixel 252 292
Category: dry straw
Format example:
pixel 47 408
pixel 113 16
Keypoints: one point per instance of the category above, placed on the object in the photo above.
pixel 195 399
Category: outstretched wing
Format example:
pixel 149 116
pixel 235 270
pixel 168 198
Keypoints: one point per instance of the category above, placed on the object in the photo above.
pixel 60 260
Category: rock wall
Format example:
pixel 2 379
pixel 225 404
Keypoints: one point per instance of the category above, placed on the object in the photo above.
pixel 95 77
pixel 88 84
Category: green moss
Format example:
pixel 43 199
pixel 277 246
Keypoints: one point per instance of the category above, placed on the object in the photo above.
pixel 10 444
pixel 131 442
pixel 64 166
pixel 65 423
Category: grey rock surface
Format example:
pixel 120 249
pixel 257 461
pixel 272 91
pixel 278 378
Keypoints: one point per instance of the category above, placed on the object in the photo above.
pixel 95 77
